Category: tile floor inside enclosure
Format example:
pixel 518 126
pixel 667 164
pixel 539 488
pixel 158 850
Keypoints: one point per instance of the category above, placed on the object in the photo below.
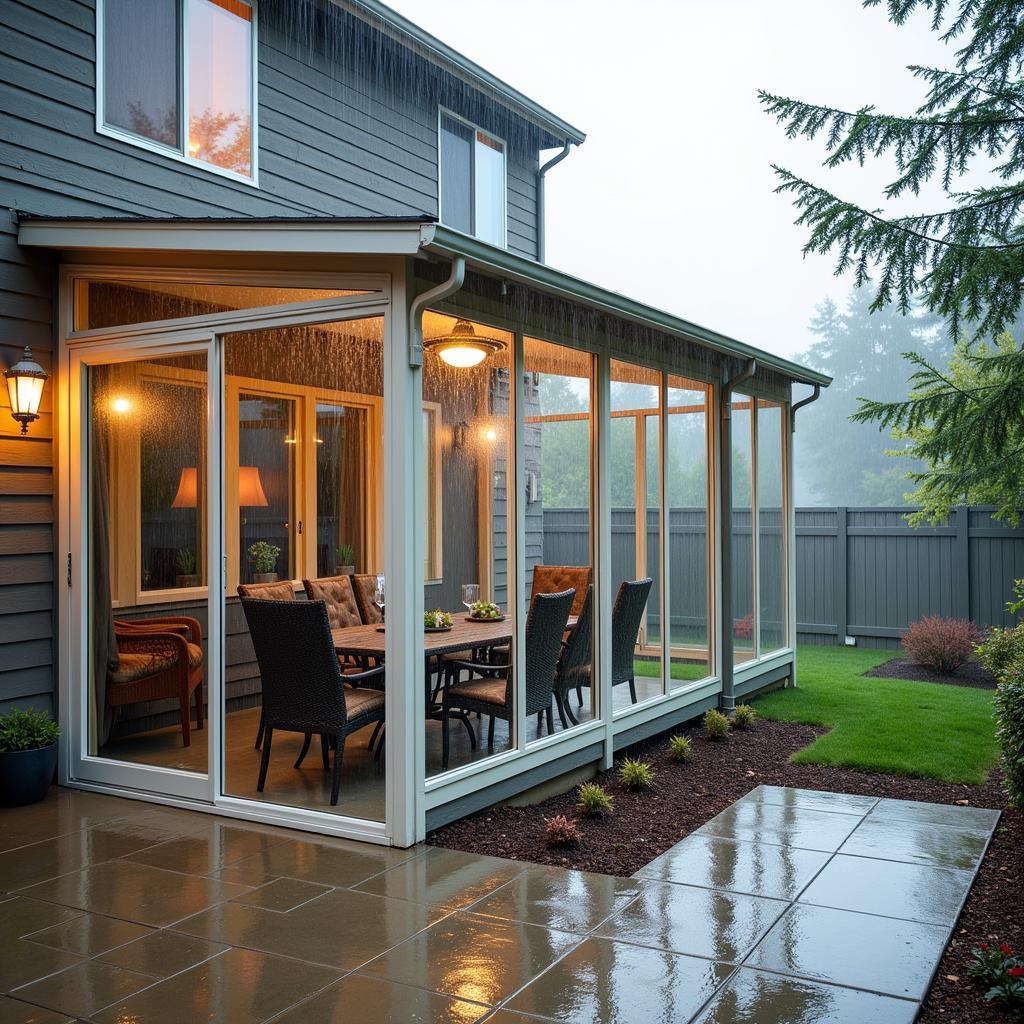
pixel 790 906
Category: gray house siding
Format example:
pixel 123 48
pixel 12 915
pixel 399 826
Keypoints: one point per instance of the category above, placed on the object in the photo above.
pixel 347 126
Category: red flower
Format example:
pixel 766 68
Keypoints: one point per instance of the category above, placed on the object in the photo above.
pixel 1016 972
pixel 983 947
pixel 1005 949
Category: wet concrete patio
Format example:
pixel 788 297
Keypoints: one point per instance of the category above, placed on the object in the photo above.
pixel 790 906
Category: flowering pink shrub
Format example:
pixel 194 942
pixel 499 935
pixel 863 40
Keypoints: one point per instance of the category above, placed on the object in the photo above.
pixel 942 645
pixel 743 628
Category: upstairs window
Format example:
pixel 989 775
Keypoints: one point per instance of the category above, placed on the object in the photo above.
pixel 177 77
pixel 472 180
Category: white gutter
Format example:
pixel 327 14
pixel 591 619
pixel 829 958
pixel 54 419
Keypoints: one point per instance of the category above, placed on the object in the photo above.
pixel 428 298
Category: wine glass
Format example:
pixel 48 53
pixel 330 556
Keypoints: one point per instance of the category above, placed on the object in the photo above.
pixel 470 595
pixel 378 595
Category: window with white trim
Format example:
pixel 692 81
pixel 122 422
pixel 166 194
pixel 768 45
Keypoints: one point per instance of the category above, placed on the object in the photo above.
pixel 177 76
pixel 472 180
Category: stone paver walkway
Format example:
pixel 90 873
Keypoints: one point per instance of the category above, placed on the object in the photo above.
pixel 790 906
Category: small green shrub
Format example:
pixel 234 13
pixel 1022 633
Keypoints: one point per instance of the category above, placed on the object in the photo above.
pixel 346 555
pixel 1008 708
pixel 635 774
pixel 594 801
pixel 1002 649
pixel 716 725
pixel 561 831
pixel 186 561
pixel 27 730
pixel 744 716
pixel 679 748
pixel 264 556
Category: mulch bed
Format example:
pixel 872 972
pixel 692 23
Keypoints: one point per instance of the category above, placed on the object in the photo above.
pixel 685 796
pixel 973 674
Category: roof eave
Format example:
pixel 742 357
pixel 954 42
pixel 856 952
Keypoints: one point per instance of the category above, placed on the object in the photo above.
pixel 443 241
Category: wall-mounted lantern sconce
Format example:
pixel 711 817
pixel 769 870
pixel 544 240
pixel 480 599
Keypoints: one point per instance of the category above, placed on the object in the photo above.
pixel 25 380
pixel 532 487
pixel 460 435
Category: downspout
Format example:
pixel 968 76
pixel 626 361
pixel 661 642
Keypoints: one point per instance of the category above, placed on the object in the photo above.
pixel 556 159
pixel 727 701
pixel 813 397
pixel 420 303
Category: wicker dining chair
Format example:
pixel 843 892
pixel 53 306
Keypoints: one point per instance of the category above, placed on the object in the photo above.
pixel 492 691
pixel 303 687
pixel 158 659
pixel 627 614
pixel 576 662
pixel 552 579
pixel 280 591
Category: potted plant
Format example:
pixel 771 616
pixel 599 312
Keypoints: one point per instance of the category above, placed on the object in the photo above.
pixel 346 557
pixel 186 563
pixel 28 756
pixel 263 557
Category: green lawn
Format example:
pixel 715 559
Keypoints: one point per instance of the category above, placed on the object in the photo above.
pixel 885 725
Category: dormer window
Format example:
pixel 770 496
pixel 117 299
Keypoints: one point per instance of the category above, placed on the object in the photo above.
pixel 472 198
pixel 177 77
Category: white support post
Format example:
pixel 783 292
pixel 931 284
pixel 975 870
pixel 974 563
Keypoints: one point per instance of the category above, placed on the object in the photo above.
pixel 216 569
pixel 603 588
pixel 403 564
pixel 515 476
pixel 790 521
pixel 663 537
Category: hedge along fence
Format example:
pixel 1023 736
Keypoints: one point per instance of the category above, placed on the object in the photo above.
pixel 860 572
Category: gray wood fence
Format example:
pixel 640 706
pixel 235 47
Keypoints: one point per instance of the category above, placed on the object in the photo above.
pixel 860 572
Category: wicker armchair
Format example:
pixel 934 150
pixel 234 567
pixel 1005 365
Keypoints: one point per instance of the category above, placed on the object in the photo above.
pixel 303 686
pixel 364 585
pixel 552 579
pixel 493 692
pixel 159 659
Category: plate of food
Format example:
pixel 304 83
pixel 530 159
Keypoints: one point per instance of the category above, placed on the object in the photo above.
pixel 437 621
pixel 485 611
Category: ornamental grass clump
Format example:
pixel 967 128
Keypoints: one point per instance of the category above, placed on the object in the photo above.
pixel 716 725
pixel 26 729
pixel 561 831
pixel 942 645
pixel 635 774
pixel 679 748
pixel 744 716
pixel 594 801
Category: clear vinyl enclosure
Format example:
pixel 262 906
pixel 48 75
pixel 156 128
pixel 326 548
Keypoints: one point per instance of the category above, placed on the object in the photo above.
pixel 257 455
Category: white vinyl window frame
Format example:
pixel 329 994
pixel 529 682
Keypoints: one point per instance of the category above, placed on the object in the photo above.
pixel 180 153
pixel 442 113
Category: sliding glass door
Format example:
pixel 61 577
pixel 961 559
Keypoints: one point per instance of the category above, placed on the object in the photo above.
pixel 142 558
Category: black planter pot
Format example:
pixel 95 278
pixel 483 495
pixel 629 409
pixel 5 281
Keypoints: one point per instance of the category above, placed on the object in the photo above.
pixel 25 775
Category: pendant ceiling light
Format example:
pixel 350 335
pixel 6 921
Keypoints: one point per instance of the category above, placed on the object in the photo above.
pixel 463 348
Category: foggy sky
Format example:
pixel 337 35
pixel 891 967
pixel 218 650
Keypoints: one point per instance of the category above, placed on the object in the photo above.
pixel 670 199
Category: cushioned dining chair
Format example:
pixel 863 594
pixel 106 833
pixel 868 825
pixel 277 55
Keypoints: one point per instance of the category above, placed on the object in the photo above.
pixel 365 586
pixel 490 689
pixel 552 579
pixel 280 591
pixel 158 659
pixel 303 687
pixel 342 612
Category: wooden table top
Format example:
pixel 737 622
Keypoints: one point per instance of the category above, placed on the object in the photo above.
pixel 368 640
pixel 464 635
